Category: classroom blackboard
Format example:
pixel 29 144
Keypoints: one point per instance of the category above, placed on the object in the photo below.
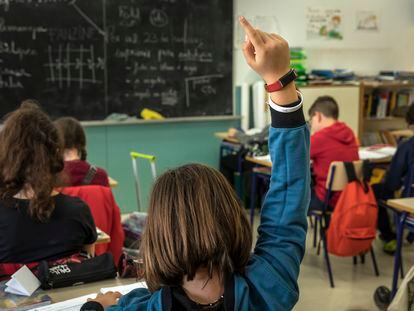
pixel 91 58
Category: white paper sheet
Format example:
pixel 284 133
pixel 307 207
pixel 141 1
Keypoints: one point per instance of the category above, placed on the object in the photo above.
pixel 380 153
pixel 76 303
pixel 23 282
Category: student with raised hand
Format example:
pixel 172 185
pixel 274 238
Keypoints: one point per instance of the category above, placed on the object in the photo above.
pixel 77 170
pixel 197 241
pixel 36 222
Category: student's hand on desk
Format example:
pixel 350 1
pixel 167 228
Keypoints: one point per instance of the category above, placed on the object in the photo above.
pixel 269 55
pixel 108 299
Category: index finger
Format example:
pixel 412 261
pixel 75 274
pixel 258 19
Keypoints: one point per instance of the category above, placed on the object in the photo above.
pixel 251 33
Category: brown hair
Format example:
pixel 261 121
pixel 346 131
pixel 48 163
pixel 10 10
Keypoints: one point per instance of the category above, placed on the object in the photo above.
pixel 325 105
pixel 194 220
pixel 72 135
pixel 30 156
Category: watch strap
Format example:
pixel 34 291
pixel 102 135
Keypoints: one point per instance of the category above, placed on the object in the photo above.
pixel 282 82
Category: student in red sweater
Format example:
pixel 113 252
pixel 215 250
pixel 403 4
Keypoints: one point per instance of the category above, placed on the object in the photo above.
pixel 77 169
pixel 331 141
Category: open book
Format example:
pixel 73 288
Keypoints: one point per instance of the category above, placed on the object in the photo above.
pixel 76 303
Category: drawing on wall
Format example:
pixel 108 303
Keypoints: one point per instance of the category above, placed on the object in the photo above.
pixel 324 24
pixel 367 21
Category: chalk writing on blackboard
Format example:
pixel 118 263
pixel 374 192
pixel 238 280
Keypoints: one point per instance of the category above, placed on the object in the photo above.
pixel 92 58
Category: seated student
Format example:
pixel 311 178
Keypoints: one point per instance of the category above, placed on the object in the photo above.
pixel 197 241
pixel 400 166
pixel 78 170
pixel 331 141
pixel 36 222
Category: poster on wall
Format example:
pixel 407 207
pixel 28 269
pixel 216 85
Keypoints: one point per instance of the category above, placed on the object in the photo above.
pixel 367 21
pixel 325 24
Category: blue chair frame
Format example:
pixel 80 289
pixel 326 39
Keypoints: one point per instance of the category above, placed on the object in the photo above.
pixel 256 175
pixel 402 221
pixel 228 147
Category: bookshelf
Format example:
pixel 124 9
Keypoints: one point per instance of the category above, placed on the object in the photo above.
pixel 382 109
pixel 347 97
pixel 353 100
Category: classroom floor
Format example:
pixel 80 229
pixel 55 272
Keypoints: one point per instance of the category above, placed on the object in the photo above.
pixel 354 285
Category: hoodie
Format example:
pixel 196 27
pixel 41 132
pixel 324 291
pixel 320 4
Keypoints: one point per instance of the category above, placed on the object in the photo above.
pixel 333 143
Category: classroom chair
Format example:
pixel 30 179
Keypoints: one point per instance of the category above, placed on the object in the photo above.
pixel 402 221
pixel 135 156
pixel 105 213
pixel 337 181
pixel 259 173
pixel 226 148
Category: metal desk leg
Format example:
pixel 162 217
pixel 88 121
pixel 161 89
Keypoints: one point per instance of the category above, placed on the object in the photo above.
pixel 253 191
pixel 399 222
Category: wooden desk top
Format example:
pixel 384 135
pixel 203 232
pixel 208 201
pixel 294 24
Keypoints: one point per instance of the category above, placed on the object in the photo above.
pixel 112 182
pixel 260 162
pixel 223 136
pixel 385 160
pixel 103 238
pixel 66 293
pixel 267 163
pixel 403 205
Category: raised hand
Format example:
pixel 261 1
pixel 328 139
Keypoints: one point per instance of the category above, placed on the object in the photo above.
pixel 268 55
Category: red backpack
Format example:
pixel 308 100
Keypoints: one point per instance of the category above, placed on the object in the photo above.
pixel 353 224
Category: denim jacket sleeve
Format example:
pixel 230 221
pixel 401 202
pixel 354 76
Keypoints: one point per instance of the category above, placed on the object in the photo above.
pixel 282 233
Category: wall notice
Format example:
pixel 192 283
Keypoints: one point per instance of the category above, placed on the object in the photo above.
pixel 325 24
pixel 367 21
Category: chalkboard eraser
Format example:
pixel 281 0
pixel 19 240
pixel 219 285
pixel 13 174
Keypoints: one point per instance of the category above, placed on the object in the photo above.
pixel 117 117
pixel 148 114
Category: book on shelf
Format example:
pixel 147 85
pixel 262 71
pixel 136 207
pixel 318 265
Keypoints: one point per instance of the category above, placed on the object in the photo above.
pixel 382 104
pixel 371 138
pixel 378 138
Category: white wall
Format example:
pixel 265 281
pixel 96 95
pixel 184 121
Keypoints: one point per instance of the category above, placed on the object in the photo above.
pixel 390 49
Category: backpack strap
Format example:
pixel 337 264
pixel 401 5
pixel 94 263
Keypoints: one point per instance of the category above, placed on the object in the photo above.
pixel 350 172
pixel 366 174
pixel 89 175
pixel 367 170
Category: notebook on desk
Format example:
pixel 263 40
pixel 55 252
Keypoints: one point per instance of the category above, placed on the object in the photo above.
pixel 76 303
pixel 372 153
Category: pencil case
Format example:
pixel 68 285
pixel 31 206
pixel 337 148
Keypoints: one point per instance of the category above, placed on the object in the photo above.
pixel 75 273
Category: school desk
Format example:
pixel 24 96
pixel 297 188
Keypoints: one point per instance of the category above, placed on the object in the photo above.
pixel 262 160
pixel 224 136
pixel 112 182
pixel 65 293
pixel 364 153
pixel 404 213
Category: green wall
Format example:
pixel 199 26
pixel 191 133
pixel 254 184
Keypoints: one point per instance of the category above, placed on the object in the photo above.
pixel 173 143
